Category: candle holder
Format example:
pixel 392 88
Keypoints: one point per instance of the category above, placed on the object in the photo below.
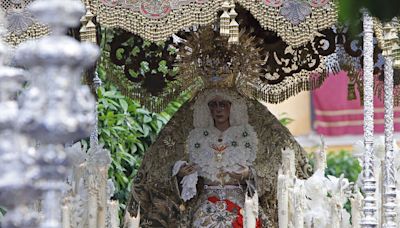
pixel 55 109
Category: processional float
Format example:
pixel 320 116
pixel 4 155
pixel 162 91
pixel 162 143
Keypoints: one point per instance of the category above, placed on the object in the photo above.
pixel 306 31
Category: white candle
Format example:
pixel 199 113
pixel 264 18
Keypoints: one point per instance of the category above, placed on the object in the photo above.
pixel 132 221
pixel 299 194
pixel 283 200
pixel 288 162
pixel 102 202
pixel 320 157
pixel 113 207
pixel 335 213
pixel 356 204
pixel 92 204
pixel 65 217
pixel 251 211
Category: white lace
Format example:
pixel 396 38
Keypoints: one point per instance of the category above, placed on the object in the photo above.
pixel 240 141
pixel 241 148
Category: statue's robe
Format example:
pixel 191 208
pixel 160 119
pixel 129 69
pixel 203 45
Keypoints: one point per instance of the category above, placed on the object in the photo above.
pixel 157 191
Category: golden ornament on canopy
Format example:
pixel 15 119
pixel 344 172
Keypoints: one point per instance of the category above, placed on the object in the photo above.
pixel 296 21
pixel 388 37
pixel 21 25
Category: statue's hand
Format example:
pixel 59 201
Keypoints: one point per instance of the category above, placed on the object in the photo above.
pixel 240 174
pixel 187 169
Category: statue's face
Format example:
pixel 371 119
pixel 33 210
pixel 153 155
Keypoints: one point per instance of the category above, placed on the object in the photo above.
pixel 220 110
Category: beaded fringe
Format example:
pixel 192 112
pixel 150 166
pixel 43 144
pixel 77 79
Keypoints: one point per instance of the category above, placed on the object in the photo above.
pixel 35 31
pixel 205 12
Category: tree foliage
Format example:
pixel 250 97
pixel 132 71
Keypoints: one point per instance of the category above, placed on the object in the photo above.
pixel 343 162
pixel 127 130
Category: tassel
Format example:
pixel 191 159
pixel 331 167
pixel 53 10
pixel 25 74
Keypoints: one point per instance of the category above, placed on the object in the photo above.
pixel 389 37
pixel 83 30
pixel 396 50
pixel 88 29
pixel 351 92
pixel 396 55
pixel 91 30
pixel 233 27
pixel 391 44
pixel 224 20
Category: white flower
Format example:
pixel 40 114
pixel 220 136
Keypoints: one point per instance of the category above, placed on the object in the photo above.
pixel 295 11
pixel 19 20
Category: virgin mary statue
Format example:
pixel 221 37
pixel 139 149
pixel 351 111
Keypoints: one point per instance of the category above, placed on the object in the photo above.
pixel 198 171
pixel 218 149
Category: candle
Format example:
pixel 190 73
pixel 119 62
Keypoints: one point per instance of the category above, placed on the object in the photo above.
pixel 251 210
pixel 102 197
pixel 65 216
pixel 283 199
pixel 288 162
pixel 356 204
pixel 299 195
pixel 92 204
pixel 113 207
pixel 335 213
pixel 132 221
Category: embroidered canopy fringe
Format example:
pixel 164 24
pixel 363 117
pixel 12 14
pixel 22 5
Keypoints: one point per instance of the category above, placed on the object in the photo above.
pixel 34 31
pixel 289 87
pixel 137 92
pixel 154 103
pixel 296 22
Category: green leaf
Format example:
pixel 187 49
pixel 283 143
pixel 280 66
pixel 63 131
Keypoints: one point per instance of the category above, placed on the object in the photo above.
pixel 107 132
pixel 123 104
pixel 146 130
pixel 109 94
pixel 135 51
pixel 162 67
pixel 147 119
pixel 144 65
pixel 100 92
pixel 133 148
pixel 133 73
pixel 2 211
pixel 140 145
pixel 142 111
pixel 120 53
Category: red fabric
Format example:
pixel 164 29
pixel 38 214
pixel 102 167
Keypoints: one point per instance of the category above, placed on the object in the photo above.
pixel 336 116
pixel 231 206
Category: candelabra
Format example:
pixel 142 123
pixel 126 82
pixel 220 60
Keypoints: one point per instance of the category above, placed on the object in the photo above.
pixel 17 158
pixel 54 110
pixel 18 167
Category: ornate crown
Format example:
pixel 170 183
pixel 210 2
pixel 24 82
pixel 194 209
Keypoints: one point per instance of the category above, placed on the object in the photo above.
pixel 209 56
pixel 224 80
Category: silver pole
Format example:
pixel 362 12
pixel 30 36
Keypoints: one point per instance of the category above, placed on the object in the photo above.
pixel 94 140
pixel 369 183
pixel 389 178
